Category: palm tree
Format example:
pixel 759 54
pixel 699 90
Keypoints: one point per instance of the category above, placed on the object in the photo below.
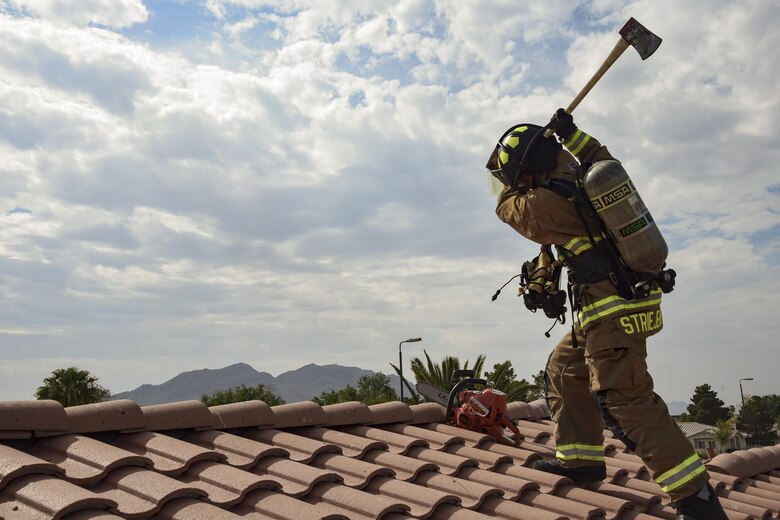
pixel 440 375
pixel 723 431
pixel 72 387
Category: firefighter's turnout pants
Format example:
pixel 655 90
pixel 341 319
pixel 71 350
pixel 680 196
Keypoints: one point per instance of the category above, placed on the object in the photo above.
pixel 605 382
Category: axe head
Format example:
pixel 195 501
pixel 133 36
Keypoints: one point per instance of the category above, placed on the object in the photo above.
pixel 640 38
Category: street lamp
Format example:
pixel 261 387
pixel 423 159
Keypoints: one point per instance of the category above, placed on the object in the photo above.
pixel 401 363
pixel 741 393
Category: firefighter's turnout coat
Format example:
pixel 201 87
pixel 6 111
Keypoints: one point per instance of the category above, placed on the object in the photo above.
pixel 603 381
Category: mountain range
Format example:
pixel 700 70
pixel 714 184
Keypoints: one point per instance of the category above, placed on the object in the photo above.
pixel 293 386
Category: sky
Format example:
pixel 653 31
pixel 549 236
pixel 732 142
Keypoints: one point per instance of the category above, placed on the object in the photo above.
pixel 188 184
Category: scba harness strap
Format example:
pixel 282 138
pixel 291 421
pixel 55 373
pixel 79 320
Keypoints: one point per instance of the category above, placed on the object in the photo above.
pixel 595 257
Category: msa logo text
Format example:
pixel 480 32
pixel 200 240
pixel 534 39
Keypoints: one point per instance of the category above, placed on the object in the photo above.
pixel 613 197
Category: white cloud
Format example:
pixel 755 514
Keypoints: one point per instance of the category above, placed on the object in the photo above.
pixel 110 13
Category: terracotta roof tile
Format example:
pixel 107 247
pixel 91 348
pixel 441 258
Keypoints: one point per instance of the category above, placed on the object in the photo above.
pixel 350 445
pixel 294 478
pixel 356 473
pixel 473 439
pixel 390 461
pixel 85 460
pixel 447 463
pixel 512 487
pixel 405 468
pixel 191 509
pixel 511 510
pixel 15 464
pixel 269 504
pixel 242 415
pixel 141 492
pixel 176 416
pixel 396 442
pixel 436 440
pixel 121 414
pixel 169 456
pixel 422 500
pixel 238 451
pixel 353 503
pixel 394 412
pixel 562 506
pixel 306 413
pixel 20 419
pixel 299 448
pixel 343 414
pixel 43 496
pixel 472 494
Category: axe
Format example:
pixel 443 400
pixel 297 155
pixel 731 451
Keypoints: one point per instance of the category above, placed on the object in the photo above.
pixel 634 34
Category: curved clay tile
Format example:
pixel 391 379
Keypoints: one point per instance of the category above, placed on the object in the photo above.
pixel 223 484
pixel 190 509
pixel 405 468
pixel 300 448
pixel 560 505
pixel 295 479
pixel 19 419
pixel 306 413
pixel 502 508
pixel 169 456
pixel 242 415
pixel 44 497
pixel 472 438
pixel 486 459
pixel 176 416
pixel 392 412
pixel 239 452
pixel 142 492
pixel 356 473
pixel 436 440
pixel 423 500
pixel 512 487
pixel 15 464
pixel 355 504
pixel 396 442
pixel 351 445
pixel 122 414
pixel 85 460
pixel 270 504
pixel 471 494
pixel 428 413
pixel 447 463
pixel 343 414
pixel 519 455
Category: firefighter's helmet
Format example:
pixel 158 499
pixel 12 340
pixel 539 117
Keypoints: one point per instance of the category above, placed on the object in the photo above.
pixel 522 149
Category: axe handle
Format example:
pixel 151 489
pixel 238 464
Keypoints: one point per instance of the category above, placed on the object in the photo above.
pixel 620 46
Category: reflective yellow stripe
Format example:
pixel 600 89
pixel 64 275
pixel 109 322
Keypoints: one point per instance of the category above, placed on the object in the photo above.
pixel 681 474
pixel 578 245
pixel 577 142
pixel 613 304
pixel 580 452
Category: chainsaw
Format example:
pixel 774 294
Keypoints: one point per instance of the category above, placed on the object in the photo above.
pixel 481 411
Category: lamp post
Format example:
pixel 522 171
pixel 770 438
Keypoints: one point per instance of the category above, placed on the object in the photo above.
pixel 741 393
pixel 401 363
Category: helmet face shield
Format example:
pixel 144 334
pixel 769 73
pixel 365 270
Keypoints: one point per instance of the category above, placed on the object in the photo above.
pixel 510 155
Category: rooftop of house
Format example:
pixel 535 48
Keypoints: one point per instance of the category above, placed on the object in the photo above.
pixel 249 460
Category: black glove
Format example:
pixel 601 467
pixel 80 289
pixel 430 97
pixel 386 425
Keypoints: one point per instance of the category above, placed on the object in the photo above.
pixel 563 124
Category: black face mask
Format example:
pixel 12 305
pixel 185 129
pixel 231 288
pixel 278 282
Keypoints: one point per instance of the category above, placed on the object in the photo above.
pixel 534 153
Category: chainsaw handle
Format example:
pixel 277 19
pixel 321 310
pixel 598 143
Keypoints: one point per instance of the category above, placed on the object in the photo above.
pixel 460 385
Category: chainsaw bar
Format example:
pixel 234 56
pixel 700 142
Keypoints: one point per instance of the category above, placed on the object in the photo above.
pixel 437 395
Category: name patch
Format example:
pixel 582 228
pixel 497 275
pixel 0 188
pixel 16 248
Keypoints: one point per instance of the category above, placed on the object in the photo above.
pixel 642 322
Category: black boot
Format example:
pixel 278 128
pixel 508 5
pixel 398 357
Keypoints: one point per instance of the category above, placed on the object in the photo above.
pixel 704 505
pixel 579 475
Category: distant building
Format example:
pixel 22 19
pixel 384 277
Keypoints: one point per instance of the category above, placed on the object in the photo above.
pixel 702 437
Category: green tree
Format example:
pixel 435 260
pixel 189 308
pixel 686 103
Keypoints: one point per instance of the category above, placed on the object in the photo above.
pixel 72 387
pixel 504 378
pixel 243 393
pixel 758 417
pixel 706 407
pixel 540 384
pixel 439 375
pixel 371 389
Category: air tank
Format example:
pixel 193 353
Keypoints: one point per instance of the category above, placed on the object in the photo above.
pixel 626 217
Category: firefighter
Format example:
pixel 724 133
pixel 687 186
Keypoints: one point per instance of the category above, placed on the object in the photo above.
pixel 597 375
